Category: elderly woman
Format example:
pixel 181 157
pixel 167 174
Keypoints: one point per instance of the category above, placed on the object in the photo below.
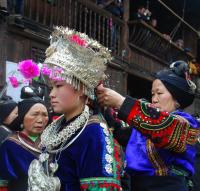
pixel 79 150
pixel 160 152
pixel 19 149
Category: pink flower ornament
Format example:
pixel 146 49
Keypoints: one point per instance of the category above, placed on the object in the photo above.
pixel 14 82
pixel 45 70
pixel 76 39
pixel 29 69
pixel 56 74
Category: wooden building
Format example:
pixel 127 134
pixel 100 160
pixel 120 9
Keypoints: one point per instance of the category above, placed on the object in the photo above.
pixel 138 49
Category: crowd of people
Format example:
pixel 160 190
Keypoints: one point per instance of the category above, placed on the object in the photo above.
pixel 143 13
pixel 81 149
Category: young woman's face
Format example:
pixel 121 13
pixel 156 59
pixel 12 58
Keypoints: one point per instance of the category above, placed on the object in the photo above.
pixel 11 117
pixel 64 98
pixel 161 97
pixel 35 120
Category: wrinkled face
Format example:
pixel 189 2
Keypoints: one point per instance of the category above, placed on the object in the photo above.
pixel 11 117
pixel 161 97
pixel 64 98
pixel 35 120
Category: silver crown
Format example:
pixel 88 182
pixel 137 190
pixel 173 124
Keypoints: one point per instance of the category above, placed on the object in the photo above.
pixel 82 59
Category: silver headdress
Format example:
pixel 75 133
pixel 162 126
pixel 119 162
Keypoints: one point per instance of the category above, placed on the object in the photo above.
pixel 81 59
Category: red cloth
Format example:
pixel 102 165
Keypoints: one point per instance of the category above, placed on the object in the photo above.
pixel 53 118
pixel 3 189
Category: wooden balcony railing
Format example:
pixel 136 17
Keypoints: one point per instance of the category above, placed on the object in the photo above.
pixel 81 15
pixel 87 17
pixel 148 40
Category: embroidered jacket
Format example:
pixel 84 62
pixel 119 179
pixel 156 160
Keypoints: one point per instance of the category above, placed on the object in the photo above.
pixel 93 162
pixel 160 142
pixel 15 159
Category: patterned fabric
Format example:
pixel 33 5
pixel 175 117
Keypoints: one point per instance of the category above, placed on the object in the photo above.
pixel 164 130
pixel 100 184
pixel 157 163
pixel 93 161
pixel 15 159
pixel 159 140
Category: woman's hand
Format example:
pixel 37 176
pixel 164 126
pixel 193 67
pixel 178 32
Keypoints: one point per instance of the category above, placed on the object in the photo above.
pixel 108 97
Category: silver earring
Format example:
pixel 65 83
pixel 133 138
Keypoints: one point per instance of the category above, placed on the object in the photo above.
pixel 22 126
pixel 177 105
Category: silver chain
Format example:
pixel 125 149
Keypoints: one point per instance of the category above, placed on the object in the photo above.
pixel 50 138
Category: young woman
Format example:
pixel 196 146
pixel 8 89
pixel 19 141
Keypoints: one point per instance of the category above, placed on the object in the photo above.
pixel 160 152
pixel 79 150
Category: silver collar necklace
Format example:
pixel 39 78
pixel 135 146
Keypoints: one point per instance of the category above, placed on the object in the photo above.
pixel 51 138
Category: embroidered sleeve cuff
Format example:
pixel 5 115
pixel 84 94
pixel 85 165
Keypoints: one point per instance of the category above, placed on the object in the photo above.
pixel 126 108
pixel 100 184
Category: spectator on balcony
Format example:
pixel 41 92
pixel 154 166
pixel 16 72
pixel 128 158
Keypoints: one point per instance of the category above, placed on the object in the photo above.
pixel 154 22
pixel 3 10
pixel 3 4
pixel 51 2
pixel 116 8
pixel 143 14
pixel 140 13
pixel 180 43
pixel 167 37
pixel 15 6
pixel 113 6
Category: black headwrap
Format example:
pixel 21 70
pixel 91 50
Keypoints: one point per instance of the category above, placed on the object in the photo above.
pixel 175 80
pixel 25 105
pixel 6 107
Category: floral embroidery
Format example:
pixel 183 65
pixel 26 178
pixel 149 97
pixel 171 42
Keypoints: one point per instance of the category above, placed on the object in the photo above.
pixel 100 184
pixel 112 162
pixel 165 131
pixel 107 155
pixel 156 161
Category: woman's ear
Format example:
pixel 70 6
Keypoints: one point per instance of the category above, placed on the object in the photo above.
pixel 84 98
pixel 80 93
pixel 81 90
